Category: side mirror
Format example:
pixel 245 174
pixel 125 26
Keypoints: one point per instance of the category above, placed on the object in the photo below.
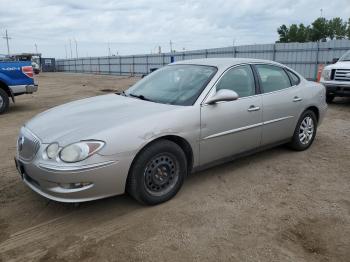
pixel 335 60
pixel 223 95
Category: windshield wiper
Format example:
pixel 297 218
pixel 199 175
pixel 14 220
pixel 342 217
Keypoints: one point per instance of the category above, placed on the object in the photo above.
pixel 142 97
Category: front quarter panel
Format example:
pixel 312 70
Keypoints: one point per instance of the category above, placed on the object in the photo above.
pixel 130 138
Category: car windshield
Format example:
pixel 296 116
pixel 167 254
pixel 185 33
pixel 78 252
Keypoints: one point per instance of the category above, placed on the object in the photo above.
pixel 345 57
pixel 173 84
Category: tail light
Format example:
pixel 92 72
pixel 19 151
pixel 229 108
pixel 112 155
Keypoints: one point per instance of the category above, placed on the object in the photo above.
pixel 28 71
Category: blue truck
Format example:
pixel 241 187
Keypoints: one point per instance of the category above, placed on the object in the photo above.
pixel 16 78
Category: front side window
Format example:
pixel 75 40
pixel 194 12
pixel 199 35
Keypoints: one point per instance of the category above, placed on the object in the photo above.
pixel 273 78
pixel 174 84
pixel 239 79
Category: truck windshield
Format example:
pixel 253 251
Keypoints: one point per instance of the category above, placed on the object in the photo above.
pixel 173 84
pixel 345 57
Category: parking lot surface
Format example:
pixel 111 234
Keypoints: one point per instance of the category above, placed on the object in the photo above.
pixel 277 205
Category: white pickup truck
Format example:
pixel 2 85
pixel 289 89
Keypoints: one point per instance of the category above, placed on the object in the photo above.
pixel 336 78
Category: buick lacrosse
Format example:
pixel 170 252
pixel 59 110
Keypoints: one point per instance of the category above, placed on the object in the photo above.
pixel 186 116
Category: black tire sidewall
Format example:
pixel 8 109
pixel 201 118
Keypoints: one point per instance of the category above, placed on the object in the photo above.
pixel 330 98
pixel 6 101
pixel 138 190
pixel 296 144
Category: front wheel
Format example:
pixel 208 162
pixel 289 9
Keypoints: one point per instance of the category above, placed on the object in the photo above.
pixel 157 173
pixel 305 131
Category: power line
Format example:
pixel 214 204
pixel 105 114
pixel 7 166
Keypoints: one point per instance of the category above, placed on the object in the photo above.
pixel 7 42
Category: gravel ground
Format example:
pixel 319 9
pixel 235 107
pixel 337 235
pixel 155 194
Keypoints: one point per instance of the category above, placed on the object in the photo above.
pixel 277 205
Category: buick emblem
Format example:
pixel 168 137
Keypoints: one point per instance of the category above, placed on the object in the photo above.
pixel 20 143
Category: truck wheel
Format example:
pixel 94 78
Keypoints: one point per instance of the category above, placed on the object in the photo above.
pixel 157 173
pixel 4 101
pixel 329 98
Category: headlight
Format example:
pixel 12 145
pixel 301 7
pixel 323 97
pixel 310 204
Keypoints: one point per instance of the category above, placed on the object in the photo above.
pixel 326 74
pixel 80 151
pixel 52 150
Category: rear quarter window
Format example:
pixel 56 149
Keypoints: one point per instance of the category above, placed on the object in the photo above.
pixel 293 78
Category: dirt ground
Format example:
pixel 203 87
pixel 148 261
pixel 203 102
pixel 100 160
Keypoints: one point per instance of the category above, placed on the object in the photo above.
pixel 277 205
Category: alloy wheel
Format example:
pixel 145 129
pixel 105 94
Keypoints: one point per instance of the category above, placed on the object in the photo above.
pixel 306 130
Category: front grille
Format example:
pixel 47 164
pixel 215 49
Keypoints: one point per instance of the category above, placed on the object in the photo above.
pixel 342 75
pixel 27 145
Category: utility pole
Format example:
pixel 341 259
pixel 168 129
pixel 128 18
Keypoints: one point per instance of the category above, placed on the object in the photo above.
pixel 36 48
pixel 76 47
pixel 65 49
pixel 109 49
pixel 321 10
pixel 7 42
pixel 70 46
pixel 171 46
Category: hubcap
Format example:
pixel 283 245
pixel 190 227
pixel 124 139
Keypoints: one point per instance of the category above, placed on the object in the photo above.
pixel 161 174
pixel 1 102
pixel 306 130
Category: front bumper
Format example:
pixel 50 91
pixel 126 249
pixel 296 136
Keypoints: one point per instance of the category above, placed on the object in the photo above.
pixel 74 185
pixel 338 89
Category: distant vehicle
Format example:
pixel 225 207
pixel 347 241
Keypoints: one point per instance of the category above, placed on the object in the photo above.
pixel 183 117
pixel 336 78
pixel 36 68
pixel 16 78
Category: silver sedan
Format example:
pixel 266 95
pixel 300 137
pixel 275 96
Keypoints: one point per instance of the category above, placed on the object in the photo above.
pixel 181 118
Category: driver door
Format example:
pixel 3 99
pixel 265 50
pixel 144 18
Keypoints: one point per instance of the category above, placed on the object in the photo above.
pixel 232 127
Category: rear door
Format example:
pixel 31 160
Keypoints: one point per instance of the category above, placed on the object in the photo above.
pixel 281 100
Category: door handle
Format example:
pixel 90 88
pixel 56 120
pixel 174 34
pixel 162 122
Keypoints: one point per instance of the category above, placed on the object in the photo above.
pixel 297 99
pixel 253 108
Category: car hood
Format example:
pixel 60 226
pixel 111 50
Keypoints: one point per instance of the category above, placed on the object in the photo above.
pixel 339 65
pixel 82 119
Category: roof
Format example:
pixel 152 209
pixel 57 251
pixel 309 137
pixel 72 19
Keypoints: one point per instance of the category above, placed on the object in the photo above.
pixel 224 62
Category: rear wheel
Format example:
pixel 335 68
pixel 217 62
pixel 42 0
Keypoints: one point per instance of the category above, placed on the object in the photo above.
pixel 4 101
pixel 157 173
pixel 305 131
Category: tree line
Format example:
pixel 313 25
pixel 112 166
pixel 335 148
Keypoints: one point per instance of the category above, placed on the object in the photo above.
pixel 320 30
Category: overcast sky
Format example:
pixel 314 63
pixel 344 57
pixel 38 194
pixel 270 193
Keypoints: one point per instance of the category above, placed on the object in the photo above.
pixel 140 26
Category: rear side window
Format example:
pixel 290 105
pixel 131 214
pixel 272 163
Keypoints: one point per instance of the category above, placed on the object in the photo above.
pixel 239 79
pixel 273 78
pixel 293 78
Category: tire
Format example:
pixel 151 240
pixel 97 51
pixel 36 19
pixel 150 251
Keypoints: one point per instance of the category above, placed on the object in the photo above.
pixel 329 98
pixel 157 173
pixel 302 139
pixel 4 101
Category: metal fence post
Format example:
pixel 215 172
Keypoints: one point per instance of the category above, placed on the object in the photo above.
pixel 109 65
pixel 316 62
pixel 274 53
pixel 146 64
pixel 163 59
pixel 75 62
pixel 133 65
pixel 98 63
pixel 120 65
pixel 82 65
pixel 206 53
